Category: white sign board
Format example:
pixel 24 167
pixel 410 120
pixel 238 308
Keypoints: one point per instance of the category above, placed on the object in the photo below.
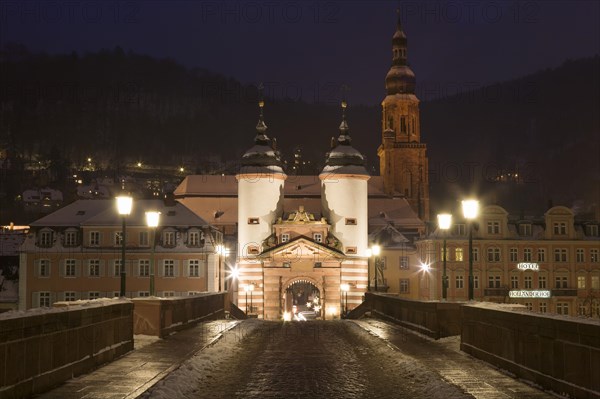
pixel 528 266
pixel 529 294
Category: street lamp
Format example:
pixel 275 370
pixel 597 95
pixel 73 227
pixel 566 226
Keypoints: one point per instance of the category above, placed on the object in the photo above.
pixel 444 222
pixel 376 249
pixel 152 220
pixel 250 287
pixel 124 205
pixel 345 287
pixel 470 210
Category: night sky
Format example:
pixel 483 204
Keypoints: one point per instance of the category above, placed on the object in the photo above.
pixel 305 50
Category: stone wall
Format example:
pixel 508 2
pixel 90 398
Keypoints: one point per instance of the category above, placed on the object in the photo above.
pixel 433 318
pixel 558 353
pixel 42 348
pixel 164 316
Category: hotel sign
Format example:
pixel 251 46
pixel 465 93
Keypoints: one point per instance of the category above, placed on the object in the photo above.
pixel 528 266
pixel 529 294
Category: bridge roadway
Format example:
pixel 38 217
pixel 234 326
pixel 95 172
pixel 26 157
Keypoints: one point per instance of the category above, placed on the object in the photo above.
pixel 317 359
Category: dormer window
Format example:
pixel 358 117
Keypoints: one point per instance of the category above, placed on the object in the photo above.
pixel 318 237
pixel 459 229
pixel 560 228
pixel 45 239
pixel 285 237
pixel 194 238
pixel 71 238
pixel 591 230
pixel 525 229
pixel 169 239
pixel 493 227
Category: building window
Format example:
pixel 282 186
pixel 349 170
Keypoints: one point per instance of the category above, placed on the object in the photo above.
pixel 475 254
pixel 94 238
pixel 404 263
pixel 285 237
pixel 318 237
pixel 561 282
pixel 252 220
pixel 44 300
pixel 513 254
pixel 493 227
pixel 94 267
pixel 169 268
pixel 93 295
pixel 443 256
pixel 527 255
pixel 595 282
pixel 351 250
pixel 514 282
pixel 493 254
pixel 318 264
pixel 543 307
pixel 45 239
pixel 542 282
pixel 528 282
pixel 592 230
pixel 287 264
pixel 562 308
pixel 253 250
pixel 70 296
pixel 560 228
pixel 529 306
pixel 579 255
pixel 475 282
pixel 459 229
pixel 70 267
pixel 144 241
pixel 117 268
pixel 118 238
pixel 194 238
pixel 143 293
pixel 194 268
pixel 581 282
pixel 541 253
pixel 351 221
pixel 144 267
pixel 459 282
pixel 44 268
pixel 192 293
pixel 525 229
pixel 560 254
pixel 404 286
pixel 594 256
pixel 70 239
pixel 168 294
pixel 493 281
pixel 458 254
pixel 169 239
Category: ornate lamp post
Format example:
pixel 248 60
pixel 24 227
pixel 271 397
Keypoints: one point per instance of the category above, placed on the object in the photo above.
pixel 152 220
pixel 124 205
pixel 444 222
pixel 470 211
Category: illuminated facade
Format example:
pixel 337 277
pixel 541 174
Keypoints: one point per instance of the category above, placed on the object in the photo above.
pixel 550 264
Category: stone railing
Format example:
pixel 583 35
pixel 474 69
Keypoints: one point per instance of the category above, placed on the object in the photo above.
pixel 433 318
pixel 43 347
pixel 556 352
pixel 164 316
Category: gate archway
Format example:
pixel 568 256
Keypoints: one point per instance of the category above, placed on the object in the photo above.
pixel 302 298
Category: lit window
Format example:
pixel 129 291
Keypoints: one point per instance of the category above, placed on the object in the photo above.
pixel 458 254
pixel 595 282
pixel 581 282
pixel 144 267
pixel 404 263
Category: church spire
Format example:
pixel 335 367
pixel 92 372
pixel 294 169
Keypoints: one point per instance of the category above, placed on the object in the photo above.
pixel 400 79
pixel 344 137
pixel 261 127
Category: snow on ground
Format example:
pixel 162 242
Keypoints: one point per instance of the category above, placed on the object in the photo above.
pixel 140 340
pixel 62 307
pixel 316 359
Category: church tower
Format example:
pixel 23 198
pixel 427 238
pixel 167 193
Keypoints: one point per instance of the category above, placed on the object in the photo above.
pixel 403 161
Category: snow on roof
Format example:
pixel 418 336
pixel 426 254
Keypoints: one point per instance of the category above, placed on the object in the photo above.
pixel 75 213
pixel 10 241
pixel 331 171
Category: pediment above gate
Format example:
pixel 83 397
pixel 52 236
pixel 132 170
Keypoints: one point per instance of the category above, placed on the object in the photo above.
pixel 302 247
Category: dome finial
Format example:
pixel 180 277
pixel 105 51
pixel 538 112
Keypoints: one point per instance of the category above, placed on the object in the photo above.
pixel 344 137
pixel 261 127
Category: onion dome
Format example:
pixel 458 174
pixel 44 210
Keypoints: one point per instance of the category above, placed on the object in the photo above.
pixel 263 157
pixel 400 79
pixel 343 158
